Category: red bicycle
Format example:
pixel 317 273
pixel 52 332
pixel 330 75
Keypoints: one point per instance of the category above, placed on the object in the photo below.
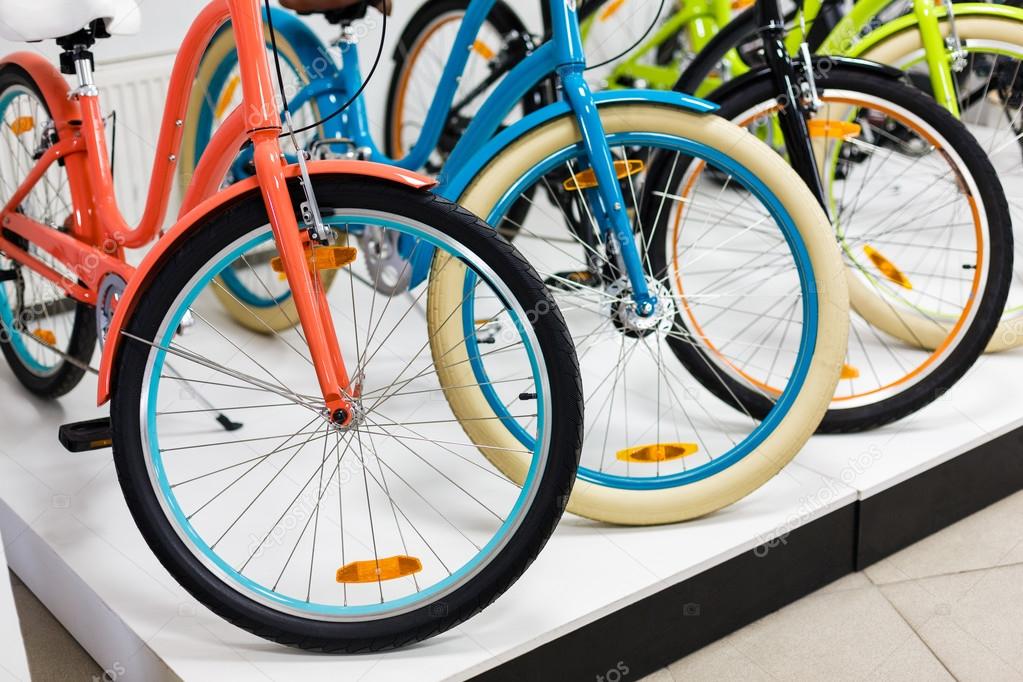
pixel 311 485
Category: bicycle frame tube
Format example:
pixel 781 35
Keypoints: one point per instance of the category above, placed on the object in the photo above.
pixel 93 246
pixel 847 32
pixel 440 108
pixel 699 18
pixel 563 55
pixel 99 222
pixel 185 66
pixel 263 126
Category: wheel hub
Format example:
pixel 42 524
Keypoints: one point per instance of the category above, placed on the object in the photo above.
pixel 626 316
pixel 349 419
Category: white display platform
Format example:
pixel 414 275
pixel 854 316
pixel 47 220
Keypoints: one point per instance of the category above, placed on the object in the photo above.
pixel 978 409
pixel 13 662
pixel 69 536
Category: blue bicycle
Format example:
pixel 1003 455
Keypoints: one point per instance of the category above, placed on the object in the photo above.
pixel 586 185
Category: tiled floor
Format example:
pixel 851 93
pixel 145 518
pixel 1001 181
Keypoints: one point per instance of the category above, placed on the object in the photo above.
pixel 53 656
pixel 949 607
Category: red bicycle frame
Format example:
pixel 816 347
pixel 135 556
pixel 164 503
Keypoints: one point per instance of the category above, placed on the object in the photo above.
pixel 93 247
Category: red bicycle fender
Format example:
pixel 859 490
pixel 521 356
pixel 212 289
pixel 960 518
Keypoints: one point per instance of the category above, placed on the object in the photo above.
pixel 194 219
pixel 51 83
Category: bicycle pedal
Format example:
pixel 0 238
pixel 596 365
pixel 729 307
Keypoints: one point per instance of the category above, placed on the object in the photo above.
pixel 587 179
pixel 228 423
pixel 823 127
pixel 376 570
pixel 563 281
pixel 658 452
pixel 94 434
pixel 8 275
pixel 322 258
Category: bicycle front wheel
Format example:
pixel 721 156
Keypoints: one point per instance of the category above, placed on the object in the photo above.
pixel 658 448
pixel 367 536
pixel 925 233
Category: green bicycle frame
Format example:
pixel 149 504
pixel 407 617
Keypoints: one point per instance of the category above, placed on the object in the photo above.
pixel 845 40
pixel 853 36
pixel 701 19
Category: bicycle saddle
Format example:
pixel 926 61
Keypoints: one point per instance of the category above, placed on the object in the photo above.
pixel 336 11
pixel 29 22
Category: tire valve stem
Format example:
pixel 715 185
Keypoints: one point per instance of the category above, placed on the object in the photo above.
pixel 527 396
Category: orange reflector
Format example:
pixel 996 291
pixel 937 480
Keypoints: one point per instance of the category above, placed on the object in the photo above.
pixel 823 127
pixel 483 50
pixel 658 452
pixel 46 336
pixel 372 570
pixel 850 372
pixel 587 179
pixel 322 258
pixel 886 267
pixel 22 124
pixel 743 4
pixel 611 9
pixel 226 97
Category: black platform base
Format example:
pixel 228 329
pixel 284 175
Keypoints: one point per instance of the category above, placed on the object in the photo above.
pixel 662 628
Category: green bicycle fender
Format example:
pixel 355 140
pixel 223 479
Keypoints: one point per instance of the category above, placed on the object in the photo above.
pixel 886 31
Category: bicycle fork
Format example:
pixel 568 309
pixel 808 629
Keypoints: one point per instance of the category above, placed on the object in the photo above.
pixel 303 279
pixel 609 212
pixel 796 104
pixel 293 244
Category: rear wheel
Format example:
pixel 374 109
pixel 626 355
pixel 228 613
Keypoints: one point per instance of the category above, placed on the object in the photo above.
pixel 990 89
pixel 356 537
pixel 47 337
pixel 421 54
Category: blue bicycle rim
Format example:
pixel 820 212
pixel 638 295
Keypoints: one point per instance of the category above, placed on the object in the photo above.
pixel 808 288
pixel 244 584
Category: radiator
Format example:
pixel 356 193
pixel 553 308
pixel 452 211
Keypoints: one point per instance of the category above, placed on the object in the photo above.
pixel 136 90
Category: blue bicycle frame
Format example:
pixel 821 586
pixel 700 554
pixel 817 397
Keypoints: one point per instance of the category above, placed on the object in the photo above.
pixel 562 55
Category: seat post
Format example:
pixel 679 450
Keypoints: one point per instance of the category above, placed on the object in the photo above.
pixel 77 60
pixel 84 72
